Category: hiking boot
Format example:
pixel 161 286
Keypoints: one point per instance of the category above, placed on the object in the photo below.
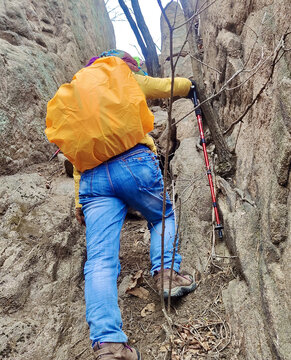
pixel 111 351
pixel 182 283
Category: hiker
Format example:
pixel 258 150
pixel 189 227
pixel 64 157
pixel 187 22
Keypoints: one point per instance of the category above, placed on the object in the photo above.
pixel 133 179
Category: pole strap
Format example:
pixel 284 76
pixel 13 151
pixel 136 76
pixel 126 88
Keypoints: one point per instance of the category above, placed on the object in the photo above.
pixel 195 100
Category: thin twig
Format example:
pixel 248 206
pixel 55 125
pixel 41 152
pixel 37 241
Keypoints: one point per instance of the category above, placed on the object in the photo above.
pixel 253 70
pixel 81 353
pixel 173 257
pixel 198 12
pixel 276 59
pixel 225 257
pixel 203 63
pixel 166 164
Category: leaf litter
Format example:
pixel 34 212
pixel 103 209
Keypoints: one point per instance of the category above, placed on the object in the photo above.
pixel 200 329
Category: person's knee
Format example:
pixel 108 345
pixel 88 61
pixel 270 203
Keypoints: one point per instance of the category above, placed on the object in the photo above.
pixel 107 266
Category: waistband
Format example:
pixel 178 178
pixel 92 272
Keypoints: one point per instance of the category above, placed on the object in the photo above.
pixel 131 151
pixel 134 150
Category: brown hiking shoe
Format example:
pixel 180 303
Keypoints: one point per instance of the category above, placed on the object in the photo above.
pixel 111 351
pixel 182 283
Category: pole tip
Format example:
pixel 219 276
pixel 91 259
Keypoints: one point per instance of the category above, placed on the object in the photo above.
pixel 219 228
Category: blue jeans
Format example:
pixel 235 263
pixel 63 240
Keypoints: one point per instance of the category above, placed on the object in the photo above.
pixel 133 179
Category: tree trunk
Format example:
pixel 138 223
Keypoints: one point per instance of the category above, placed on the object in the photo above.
pixel 133 27
pixel 152 60
pixel 226 161
pixel 145 41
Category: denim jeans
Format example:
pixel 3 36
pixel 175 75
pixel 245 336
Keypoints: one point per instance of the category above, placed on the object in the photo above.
pixel 133 179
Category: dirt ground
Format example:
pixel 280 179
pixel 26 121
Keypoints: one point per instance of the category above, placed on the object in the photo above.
pixel 196 327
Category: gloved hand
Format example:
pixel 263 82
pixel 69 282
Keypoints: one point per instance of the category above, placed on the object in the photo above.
pixel 191 91
pixel 80 216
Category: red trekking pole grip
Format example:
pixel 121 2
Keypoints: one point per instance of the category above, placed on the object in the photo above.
pixel 198 113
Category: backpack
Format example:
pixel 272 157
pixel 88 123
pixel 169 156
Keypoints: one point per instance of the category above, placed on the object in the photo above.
pixel 100 114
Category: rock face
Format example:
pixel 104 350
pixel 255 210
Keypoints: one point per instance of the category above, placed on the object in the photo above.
pixel 40 293
pixel 42 44
pixel 183 67
pixel 247 39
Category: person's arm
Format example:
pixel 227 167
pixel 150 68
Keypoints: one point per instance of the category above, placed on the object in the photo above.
pixel 79 213
pixel 157 88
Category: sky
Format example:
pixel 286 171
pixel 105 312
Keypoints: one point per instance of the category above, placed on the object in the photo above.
pixel 125 39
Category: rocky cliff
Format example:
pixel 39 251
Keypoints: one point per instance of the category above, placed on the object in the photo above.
pixel 243 51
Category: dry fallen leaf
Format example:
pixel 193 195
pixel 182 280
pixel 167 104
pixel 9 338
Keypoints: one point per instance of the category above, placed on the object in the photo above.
pixel 139 292
pixel 193 341
pixel 134 288
pixel 175 356
pixel 148 309
pixel 188 357
pixel 184 336
pixel 164 348
pixel 193 351
pixel 195 346
pixel 136 280
pixel 205 346
pixel 178 341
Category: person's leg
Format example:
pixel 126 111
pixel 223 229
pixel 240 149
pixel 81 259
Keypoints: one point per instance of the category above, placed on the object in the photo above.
pixel 141 187
pixel 104 217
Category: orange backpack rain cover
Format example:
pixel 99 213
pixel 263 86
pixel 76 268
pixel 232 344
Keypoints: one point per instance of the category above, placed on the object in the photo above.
pixel 100 114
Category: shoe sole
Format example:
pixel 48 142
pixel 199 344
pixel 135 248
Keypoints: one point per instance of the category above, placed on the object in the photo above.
pixel 180 291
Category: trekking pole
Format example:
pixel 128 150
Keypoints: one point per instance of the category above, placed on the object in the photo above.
pixel 198 113
pixel 54 155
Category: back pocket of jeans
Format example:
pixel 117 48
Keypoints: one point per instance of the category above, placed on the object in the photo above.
pixel 145 169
